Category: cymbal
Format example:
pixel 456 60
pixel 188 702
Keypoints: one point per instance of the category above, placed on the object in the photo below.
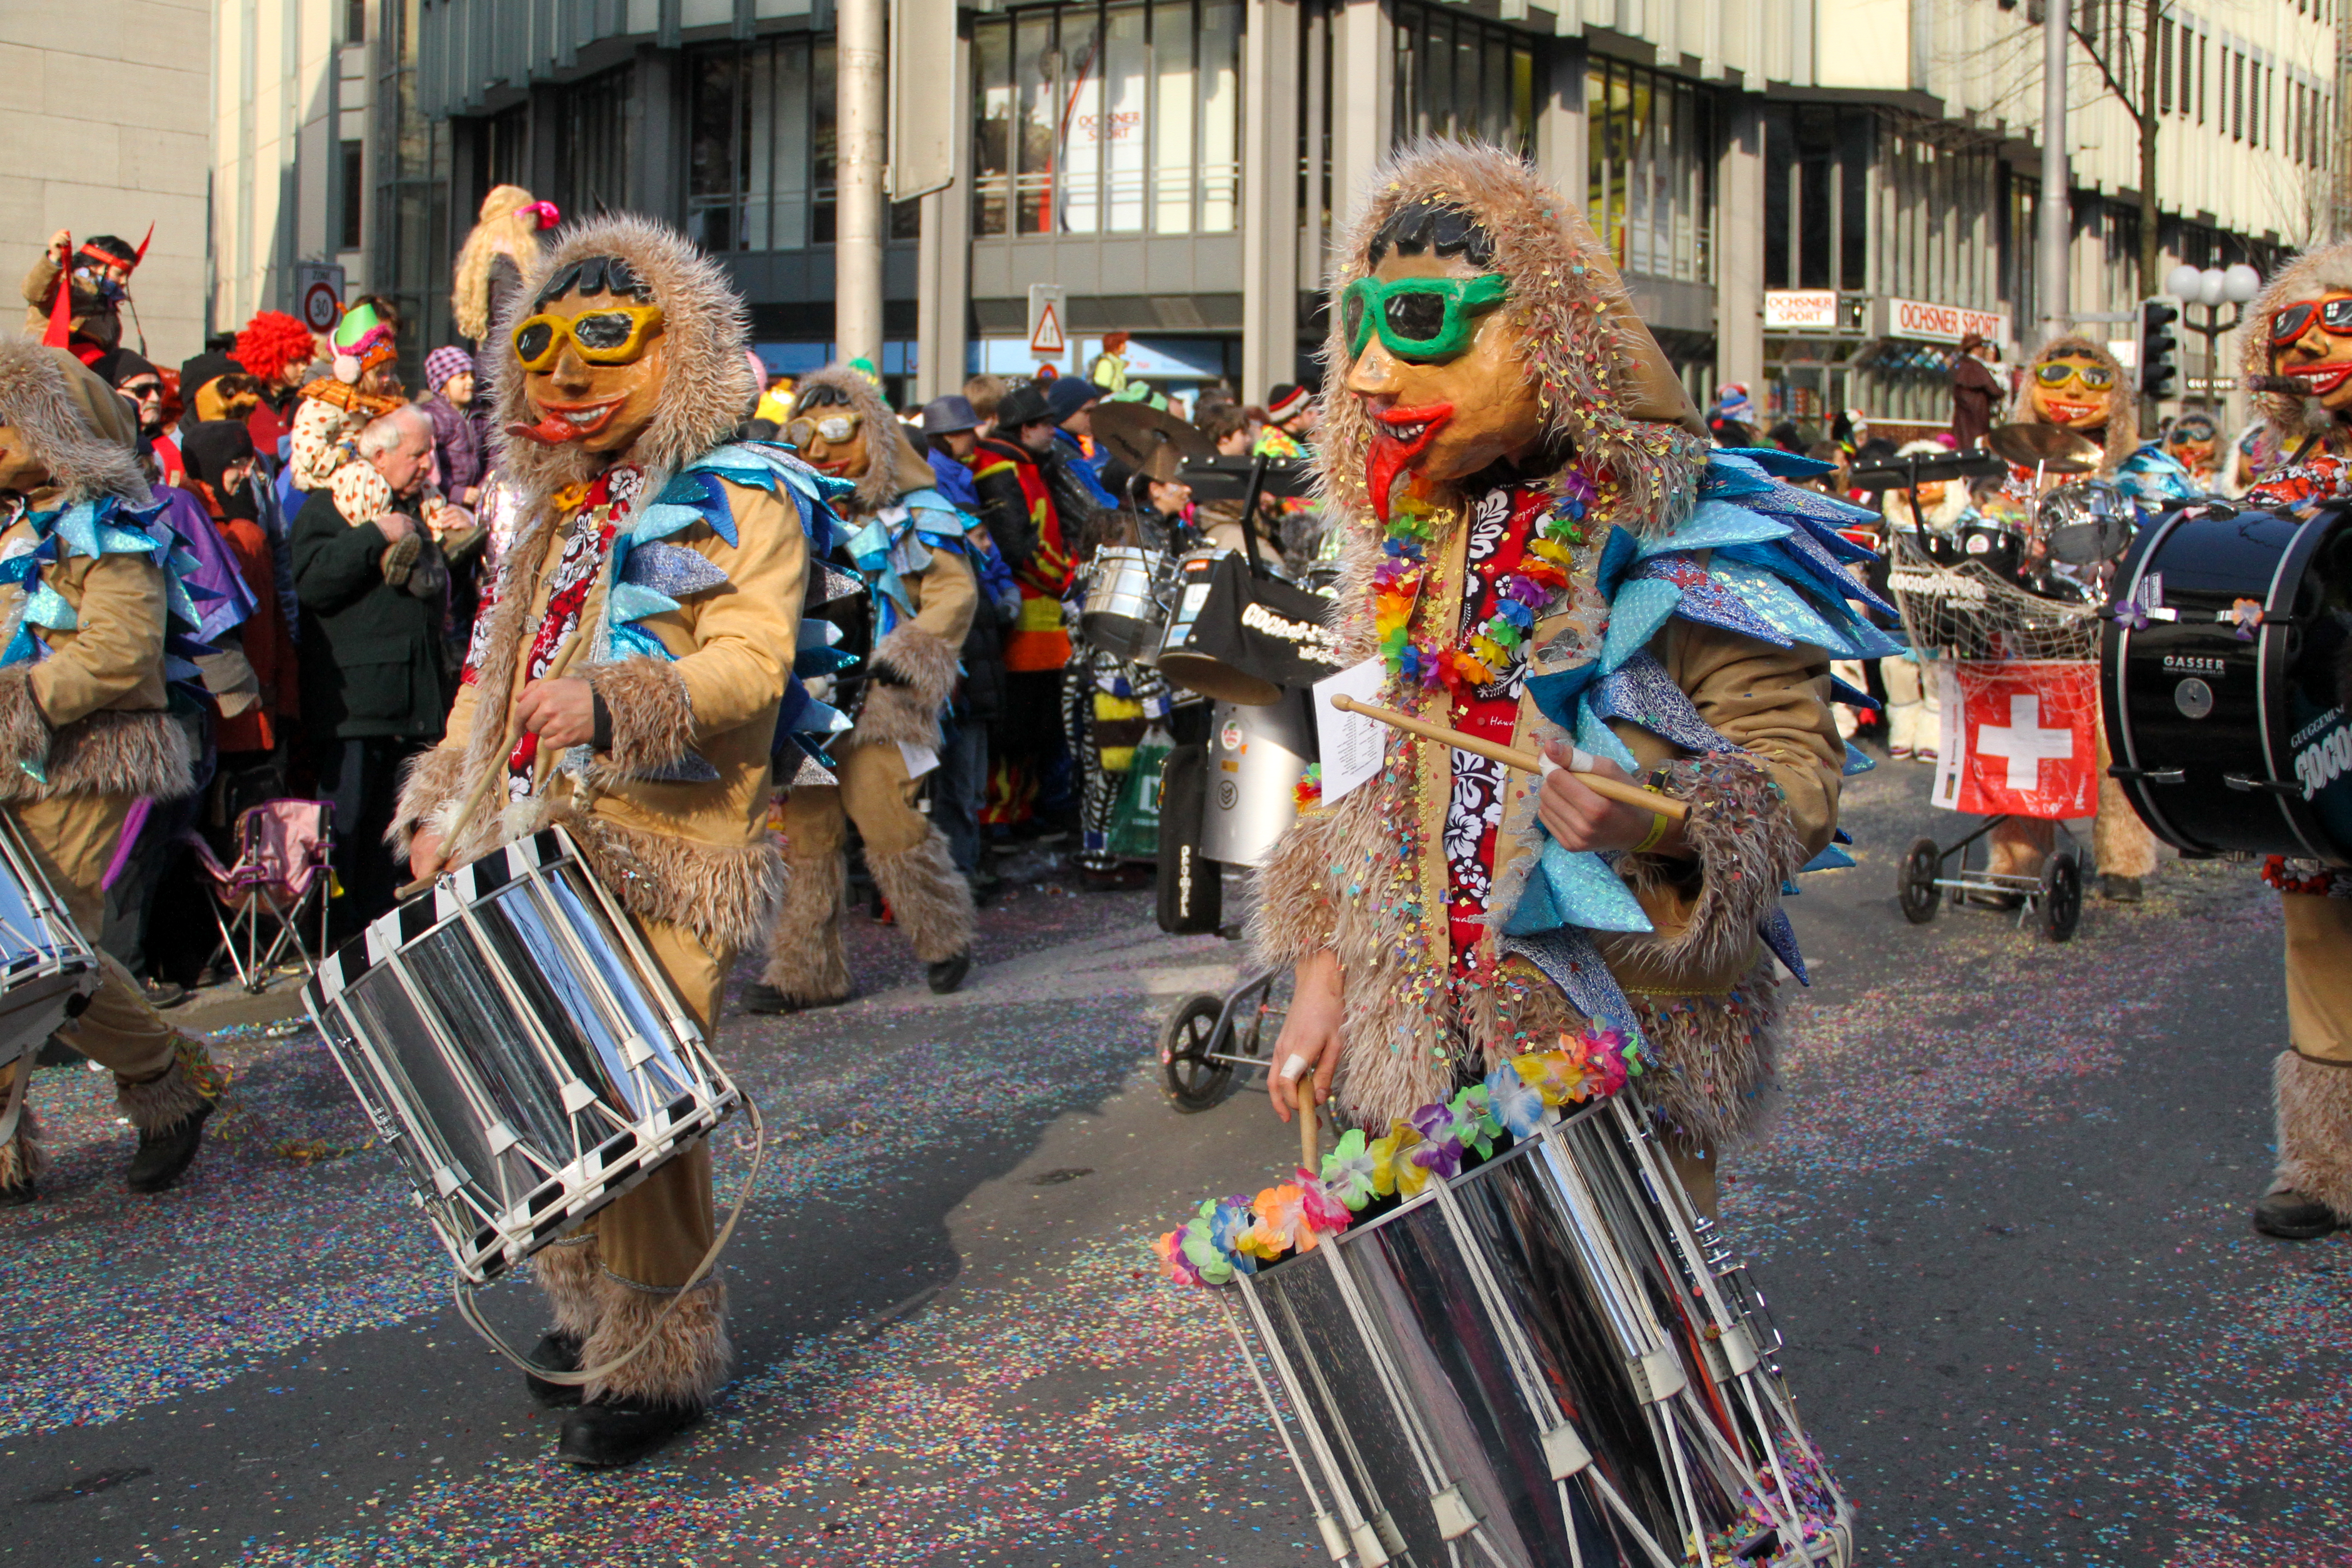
pixel 2052 449
pixel 1151 441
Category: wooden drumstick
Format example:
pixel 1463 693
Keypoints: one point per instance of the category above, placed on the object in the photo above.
pixel 1310 1148
pixel 1602 785
pixel 469 807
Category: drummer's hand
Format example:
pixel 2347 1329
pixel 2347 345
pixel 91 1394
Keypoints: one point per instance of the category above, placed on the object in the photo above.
pixel 1581 819
pixel 424 854
pixel 560 712
pixel 1310 1030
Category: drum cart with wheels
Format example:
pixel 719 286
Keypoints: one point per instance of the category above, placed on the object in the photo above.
pixel 2054 898
pixel 1210 1036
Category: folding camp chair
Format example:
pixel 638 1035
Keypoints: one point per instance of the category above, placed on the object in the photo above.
pixel 284 850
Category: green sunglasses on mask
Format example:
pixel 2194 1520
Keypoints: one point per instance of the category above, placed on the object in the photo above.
pixel 1419 320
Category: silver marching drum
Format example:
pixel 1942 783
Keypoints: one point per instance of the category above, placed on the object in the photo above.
pixel 1125 603
pixel 513 1041
pixel 48 969
pixel 1541 1363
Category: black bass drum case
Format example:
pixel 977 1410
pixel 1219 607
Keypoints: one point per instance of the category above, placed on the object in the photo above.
pixel 2219 681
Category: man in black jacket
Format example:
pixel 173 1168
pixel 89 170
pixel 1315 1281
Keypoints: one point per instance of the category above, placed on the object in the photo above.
pixel 371 678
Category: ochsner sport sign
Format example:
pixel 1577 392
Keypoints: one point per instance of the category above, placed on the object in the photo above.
pixel 1941 324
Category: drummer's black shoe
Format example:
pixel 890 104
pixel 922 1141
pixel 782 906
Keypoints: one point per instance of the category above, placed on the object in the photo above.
pixel 762 998
pixel 164 1155
pixel 556 1352
pixel 604 1433
pixel 2292 1216
pixel 948 972
pixel 2122 889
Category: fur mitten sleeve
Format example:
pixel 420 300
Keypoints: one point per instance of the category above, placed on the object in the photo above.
pixel 1295 914
pixel 25 734
pixel 1744 845
pixel 911 676
pixel 430 785
pixel 651 711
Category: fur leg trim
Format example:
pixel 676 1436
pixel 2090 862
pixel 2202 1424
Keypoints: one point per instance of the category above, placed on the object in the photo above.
pixel 689 1357
pixel 567 1270
pixel 433 778
pixel 24 731
pixel 172 1096
pixel 24 1157
pixel 805 960
pixel 2314 1129
pixel 928 897
pixel 652 717
pixel 1738 826
pixel 1714 1058
pixel 723 893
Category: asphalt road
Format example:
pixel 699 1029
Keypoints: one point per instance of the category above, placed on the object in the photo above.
pixel 2000 1216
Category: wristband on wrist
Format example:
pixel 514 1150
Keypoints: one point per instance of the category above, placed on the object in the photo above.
pixel 1659 824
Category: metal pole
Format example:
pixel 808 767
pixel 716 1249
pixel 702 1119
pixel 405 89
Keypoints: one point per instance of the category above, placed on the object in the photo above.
pixel 2055 238
pixel 860 211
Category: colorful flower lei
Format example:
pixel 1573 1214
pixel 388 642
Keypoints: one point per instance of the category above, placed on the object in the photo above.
pixel 1228 1237
pixel 1521 595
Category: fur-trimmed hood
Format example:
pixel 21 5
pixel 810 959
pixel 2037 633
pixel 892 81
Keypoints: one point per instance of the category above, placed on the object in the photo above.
pixel 893 470
pixel 73 422
pixel 1604 384
pixel 709 381
pixel 2292 416
pixel 2123 404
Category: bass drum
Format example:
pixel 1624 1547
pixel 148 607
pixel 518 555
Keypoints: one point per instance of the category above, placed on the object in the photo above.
pixel 2228 731
pixel 1258 754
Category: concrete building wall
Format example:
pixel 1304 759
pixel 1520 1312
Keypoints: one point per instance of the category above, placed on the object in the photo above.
pixel 103 114
pixel 288 90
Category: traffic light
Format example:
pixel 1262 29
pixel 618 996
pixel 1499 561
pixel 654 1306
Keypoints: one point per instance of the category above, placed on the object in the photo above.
pixel 2156 346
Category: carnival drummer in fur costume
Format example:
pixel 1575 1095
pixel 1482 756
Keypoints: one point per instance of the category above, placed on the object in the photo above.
pixel 2302 333
pixel 921 594
pixel 682 560
pixel 2077 383
pixel 86 586
pixel 1539 548
pixel 2301 330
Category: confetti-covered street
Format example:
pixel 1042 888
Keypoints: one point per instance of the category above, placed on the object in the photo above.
pixel 2002 1218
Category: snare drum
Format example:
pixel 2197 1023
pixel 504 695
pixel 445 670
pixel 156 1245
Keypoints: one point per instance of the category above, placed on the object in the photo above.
pixel 1124 611
pixel 46 966
pixel 519 1050
pixel 1538 1363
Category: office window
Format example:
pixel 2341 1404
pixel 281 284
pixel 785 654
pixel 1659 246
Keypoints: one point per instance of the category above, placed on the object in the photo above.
pixel 1817 162
pixel 592 161
pixel 2203 47
pixel 1107 118
pixel 1460 78
pixel 355 21
pixel 354 194
pixel 2164 66
pixel 1648 170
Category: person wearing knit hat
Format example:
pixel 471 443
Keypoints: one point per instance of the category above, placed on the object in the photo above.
pixel 458 447
pixel 1290 417
pixel 86 729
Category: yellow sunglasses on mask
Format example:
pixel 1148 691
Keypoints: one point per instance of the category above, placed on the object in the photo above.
pixel 2059 372
pixel 614 335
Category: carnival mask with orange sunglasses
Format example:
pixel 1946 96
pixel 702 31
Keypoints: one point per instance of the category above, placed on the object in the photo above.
pixel 2073 391
pixel 592 356
pixel 2311 340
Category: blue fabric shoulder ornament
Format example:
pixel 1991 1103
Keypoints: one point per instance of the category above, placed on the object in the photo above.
pixel 650 577
pixel 1756 556
pixel 109 526
pixel 898 543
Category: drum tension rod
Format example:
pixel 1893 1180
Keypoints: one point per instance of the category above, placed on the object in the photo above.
pixel 2248 784
pixel 2151 775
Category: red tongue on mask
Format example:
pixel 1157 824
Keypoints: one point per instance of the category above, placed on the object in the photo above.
pixel 1381 466
pixel 551 431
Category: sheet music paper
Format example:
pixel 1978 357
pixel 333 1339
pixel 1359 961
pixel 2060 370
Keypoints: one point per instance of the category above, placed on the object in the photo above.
pixel 1350 743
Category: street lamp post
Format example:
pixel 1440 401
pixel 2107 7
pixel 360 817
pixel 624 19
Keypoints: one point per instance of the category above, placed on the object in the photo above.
pixel 2208 289
pixel 861 202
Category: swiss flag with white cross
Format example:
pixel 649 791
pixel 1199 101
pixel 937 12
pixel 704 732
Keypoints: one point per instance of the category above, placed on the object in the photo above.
pixel 2019 736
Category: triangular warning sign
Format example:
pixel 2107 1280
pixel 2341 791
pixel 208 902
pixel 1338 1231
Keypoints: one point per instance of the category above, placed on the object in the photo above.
pixel 1047 338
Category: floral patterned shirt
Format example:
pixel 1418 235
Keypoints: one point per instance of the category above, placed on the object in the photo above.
pixel 1500 525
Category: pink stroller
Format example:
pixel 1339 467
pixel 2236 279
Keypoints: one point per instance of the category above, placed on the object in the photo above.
pixel 283 869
